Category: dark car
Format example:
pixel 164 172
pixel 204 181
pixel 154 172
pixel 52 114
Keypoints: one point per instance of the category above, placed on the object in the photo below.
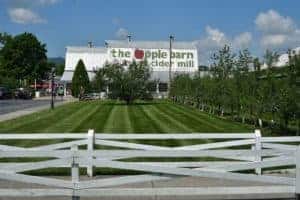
pixel 23 93
pixel 5 93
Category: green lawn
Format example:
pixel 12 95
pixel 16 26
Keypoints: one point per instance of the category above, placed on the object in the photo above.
pixel 117 117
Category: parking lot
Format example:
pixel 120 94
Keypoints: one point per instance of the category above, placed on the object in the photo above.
pixel 12 105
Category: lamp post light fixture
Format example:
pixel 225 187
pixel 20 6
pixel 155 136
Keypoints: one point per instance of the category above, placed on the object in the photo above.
pixel 52 87
pixel 171 37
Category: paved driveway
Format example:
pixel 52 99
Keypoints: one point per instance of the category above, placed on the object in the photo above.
pixel 12 105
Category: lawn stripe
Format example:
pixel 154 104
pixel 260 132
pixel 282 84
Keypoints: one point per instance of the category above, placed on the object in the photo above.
pixel 103 118
pixel 67 123
pixel 220 124
pixel 186 118
pixel 140 120
pixel 127 120
pixel 118 120
pixel 174 121
pixel 149 111
pixel 168 121
pixel 189 114
pixel 98 120
pixel 83 121
pixel 15 125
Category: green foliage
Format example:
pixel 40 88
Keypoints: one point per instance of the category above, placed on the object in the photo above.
pixel 23 57
pixel 59 69
pixel 234 89
pixel 126 83
pixel 80 80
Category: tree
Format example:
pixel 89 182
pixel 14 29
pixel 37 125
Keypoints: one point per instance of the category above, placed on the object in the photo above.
pixel 23 57
pixel 59 69
pixel 224 62
pixel 80 80
pixel 242 80
pixel 126 83
pixel 270 96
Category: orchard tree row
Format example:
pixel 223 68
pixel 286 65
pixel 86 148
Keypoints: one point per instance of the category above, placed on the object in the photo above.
pixel 238 88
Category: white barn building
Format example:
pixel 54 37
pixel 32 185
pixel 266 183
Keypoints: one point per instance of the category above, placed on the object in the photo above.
pixel 157 53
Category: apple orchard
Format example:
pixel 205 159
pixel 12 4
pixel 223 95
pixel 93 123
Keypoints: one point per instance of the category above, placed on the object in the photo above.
pixel 156 58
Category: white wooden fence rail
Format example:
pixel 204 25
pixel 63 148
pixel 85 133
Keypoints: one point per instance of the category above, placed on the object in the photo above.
pixel 232 154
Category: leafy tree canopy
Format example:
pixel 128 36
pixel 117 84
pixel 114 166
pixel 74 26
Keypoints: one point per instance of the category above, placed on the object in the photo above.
pixel 23 56
pixel 126 83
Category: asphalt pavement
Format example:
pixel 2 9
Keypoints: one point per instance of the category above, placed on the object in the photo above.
pixel 12 105
pixel 13 108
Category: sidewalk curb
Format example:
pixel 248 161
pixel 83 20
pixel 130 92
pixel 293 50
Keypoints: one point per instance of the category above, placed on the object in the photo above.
pixel 27 111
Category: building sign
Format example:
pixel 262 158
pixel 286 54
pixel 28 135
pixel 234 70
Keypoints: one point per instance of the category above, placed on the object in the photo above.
pixel 158 59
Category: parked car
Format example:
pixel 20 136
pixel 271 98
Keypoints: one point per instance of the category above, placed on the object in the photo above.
pixel 5 93
pixel 23 93
pixel 90 96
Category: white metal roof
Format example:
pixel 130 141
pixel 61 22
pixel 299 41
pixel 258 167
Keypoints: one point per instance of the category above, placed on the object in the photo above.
pixel 82 49
pixel 150 44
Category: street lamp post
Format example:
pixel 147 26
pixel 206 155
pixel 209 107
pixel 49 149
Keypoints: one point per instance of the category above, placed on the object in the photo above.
pixel 52 87
pixel 170 64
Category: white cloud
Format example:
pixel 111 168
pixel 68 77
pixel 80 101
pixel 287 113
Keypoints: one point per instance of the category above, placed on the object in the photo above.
pixel 122 33
pixel 271 22
pixel 21 11
pixel 215 36
pixel 242 41
pixel 277 31
pixel 24 16
pixel 215 39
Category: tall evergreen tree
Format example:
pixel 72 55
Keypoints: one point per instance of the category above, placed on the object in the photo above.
pixel 80 80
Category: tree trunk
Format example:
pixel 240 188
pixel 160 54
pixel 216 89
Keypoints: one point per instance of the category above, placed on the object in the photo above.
pixel 260 124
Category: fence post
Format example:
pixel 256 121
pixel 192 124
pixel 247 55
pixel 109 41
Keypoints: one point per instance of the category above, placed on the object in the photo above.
pixel 297 189
pixel 258 148
pixel 75 171
pixel 90 148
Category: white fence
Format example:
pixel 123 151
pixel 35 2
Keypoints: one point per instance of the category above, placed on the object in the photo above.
pixel 231 157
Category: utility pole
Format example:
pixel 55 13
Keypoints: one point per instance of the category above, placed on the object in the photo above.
pixel 170 64
pixel 52 87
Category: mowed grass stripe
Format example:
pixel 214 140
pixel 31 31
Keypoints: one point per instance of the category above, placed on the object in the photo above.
pixel 33 123
pixel 140 120
pixel 67 123
pixel 160 121
pixel 172 119
pixel 196 123
pixel 172 125
pixel 84 120
pixel 98 120
pixel 118 120
pixel 221 125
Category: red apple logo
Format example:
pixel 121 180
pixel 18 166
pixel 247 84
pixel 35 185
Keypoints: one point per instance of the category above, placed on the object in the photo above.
pixel 139 54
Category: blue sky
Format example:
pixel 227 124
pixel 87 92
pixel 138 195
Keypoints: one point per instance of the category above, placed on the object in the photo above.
pixel 253 24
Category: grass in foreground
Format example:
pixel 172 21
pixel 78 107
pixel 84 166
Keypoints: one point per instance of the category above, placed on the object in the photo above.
pixel 117 117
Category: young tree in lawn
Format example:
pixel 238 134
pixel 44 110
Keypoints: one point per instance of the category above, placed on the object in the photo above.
pixel 126 83
pixel 80 80
pixel 223 64
pixel 289 96
pixel 270 59
pixel 241 77
pixel 181 87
